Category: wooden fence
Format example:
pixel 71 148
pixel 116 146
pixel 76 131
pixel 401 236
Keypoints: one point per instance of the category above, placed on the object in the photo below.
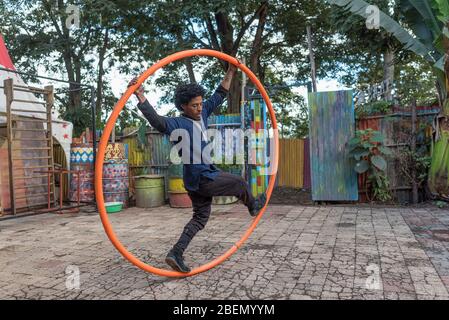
pixel 397 130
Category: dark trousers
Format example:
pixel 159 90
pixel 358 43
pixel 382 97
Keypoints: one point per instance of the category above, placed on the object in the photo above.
pixel 225 184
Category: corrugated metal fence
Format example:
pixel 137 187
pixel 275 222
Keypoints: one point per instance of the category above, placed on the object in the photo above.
pixel 150 158
pixel 294 163
pixel 332 125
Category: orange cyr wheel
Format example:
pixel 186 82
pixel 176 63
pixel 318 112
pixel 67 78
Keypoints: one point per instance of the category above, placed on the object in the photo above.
pixel 104 141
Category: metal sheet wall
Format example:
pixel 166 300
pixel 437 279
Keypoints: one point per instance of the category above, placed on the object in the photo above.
pixel 332 125
pixel 152 158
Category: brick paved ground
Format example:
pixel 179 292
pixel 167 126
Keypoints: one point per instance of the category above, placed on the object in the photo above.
pixel 330 252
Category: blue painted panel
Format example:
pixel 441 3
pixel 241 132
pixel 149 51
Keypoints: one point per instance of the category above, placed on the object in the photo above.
pixel 332 125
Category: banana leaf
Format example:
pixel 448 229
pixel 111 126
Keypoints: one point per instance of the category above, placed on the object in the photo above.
pixel 439 168
pixel 359 7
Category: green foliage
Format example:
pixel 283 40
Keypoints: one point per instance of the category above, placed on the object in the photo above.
pixel 374 108
pixel 37 36
pixel 428 20
pixel 291 113
pixel 381 187
pixel 81 119
pixel 142 32
pixel 415 80
pixel 367 149
pixel 414 77
pixel 417 162
pixel 358 7
pixel 438 173
pixel 441 204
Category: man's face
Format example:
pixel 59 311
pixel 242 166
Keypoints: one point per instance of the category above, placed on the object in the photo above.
pixel 194 108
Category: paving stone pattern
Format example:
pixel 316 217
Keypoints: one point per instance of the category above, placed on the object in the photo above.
pixel 296 252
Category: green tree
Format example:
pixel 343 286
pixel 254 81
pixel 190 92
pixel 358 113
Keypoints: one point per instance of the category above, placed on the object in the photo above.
pixel 429 22
pixel 80 55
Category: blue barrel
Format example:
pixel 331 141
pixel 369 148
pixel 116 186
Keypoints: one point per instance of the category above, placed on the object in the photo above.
pixel 82 160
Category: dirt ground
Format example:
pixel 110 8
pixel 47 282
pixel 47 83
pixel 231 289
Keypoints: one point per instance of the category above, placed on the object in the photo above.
pixel 291 196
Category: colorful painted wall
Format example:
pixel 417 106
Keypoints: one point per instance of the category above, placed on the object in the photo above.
pixel 332 125
pixel 256 119
pixel 149 153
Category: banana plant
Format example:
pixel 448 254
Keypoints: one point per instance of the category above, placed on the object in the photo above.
pixel 429 22
pixel 361 8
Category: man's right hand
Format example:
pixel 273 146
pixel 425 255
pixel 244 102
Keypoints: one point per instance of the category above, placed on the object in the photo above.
pixel 140 92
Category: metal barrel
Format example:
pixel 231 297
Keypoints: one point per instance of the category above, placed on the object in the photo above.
pixel 82 184
pixel 179 199
pixel 150 191
pixel 176 184
pixel 116 174
pixel 177 194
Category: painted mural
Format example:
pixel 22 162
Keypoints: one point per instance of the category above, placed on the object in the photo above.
pixel 332 125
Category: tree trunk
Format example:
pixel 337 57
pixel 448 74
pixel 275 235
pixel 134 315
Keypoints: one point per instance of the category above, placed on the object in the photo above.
pixel 256 49
pixel 71 78
pixel 101 72
pixel 77 92
pixel 311 58
pixel 189 65
pixel 389 73
pixel 74 89
pixel 226 34
pixel 234 95
pixel 187 61
pixel 230 46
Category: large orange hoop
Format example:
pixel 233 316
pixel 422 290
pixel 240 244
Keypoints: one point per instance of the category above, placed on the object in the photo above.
pixel 104 141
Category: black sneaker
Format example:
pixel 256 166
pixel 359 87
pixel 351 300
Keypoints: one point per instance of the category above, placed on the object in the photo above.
pixel 259 203
pixel 176 261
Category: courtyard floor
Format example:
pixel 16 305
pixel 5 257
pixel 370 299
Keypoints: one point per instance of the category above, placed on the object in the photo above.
pixel 296 252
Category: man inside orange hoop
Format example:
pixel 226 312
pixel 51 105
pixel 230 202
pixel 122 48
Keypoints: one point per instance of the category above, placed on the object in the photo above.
pixel 202 180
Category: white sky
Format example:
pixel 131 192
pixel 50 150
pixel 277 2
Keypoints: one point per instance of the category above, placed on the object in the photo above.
pixel 153 94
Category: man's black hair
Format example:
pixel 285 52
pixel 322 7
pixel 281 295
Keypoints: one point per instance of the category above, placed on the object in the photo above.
pixel 186 92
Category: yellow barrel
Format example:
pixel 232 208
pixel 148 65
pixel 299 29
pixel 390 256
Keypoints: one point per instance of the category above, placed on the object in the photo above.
pixel 177 193
pixel 176 184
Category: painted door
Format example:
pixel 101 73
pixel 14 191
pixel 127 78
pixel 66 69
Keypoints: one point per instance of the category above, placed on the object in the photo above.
pixel 332 125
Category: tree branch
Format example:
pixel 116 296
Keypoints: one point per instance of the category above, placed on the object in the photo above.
pixel 212 33
pixel 47 7
pixel 193 34
pixel 86 43
pixel 244 28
